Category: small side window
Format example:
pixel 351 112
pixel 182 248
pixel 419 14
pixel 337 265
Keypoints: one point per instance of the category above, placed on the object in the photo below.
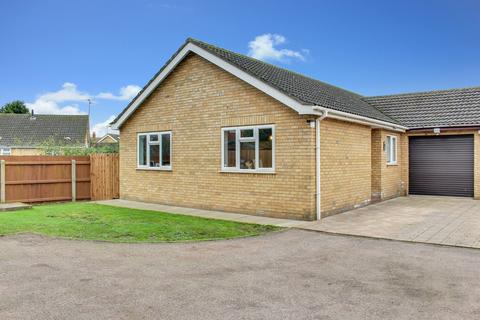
pixel 391 148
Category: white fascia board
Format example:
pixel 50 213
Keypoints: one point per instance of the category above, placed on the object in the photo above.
pixel 190 47
pixel 105 137
pixel 345 116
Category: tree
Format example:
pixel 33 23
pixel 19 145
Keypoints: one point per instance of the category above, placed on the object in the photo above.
pixel 16 106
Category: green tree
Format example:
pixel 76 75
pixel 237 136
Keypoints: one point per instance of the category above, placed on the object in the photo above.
pixel 16 106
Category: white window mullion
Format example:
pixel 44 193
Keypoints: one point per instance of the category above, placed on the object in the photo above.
pixel 148 150
pixel 222 149
pixel 138 150
pixel 274 138
pixel 160 150
pixel 237 149
pixel 257 146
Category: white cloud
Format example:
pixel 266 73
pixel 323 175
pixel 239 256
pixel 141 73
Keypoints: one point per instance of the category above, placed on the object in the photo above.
pixel 68 99
pixel 49 103
pixel 102 128
pixel 68 92
pixel 126 93
pixel 263 47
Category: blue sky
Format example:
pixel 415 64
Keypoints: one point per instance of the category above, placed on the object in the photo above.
pixel 56 54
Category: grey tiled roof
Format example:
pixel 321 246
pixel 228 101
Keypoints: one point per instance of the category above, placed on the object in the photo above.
pixel 444 108
pixel 24 130
pixel 447 108
pixel 305 90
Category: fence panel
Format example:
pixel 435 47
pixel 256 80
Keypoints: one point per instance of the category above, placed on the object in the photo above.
pixel 49 178
pixel 104 176
pixel 45 178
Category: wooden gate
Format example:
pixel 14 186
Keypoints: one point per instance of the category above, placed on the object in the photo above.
pixel 104 176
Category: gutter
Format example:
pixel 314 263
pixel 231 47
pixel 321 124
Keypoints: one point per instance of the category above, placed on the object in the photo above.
pixel 443 129
pixel 317 165
pixel 340 115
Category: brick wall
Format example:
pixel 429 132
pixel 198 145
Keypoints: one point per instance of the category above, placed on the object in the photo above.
pixel 345 166
pixel 387 179
pixel 195 102
pixel 377 158
pixel 404 162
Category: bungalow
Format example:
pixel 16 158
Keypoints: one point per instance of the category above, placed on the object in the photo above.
pixel 109 138
pixel 29 134
pixel 218 130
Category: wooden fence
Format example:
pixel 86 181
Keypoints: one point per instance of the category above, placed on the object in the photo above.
pixel 58 178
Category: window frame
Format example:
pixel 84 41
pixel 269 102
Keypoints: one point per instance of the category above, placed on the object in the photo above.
pixel 390 147
pixel 159 143
pixel 238 140
pixel 8 153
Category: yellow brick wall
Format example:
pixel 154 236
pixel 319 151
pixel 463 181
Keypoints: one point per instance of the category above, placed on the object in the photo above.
pixel 404 162
pixel 391 180
pixel 195 102
pixel 476 172
pixel 377 150
pixel 345 166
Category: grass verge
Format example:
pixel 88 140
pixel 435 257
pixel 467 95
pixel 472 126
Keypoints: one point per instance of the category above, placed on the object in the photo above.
pixel 89 221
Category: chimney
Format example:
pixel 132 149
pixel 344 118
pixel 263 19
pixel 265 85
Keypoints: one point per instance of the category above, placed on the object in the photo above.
pixel 94 135
pixel 32 115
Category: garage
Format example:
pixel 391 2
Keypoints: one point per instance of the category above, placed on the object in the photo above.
pixel 441 165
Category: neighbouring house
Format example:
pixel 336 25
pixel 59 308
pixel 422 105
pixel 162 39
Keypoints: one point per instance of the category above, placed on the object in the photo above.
pixel 218 130
pixel 109 138
pixel 30 134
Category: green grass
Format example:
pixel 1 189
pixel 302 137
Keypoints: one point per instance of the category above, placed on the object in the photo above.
pixel 99 222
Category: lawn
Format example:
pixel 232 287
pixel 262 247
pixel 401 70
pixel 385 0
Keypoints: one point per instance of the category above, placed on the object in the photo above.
pixel 99 222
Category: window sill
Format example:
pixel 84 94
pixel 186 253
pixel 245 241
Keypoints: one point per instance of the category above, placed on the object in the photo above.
pixel 154 169
pixel 393 164
pixel 248 171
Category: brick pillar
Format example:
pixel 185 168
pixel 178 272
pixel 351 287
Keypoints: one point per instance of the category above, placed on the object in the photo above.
pixel 377 151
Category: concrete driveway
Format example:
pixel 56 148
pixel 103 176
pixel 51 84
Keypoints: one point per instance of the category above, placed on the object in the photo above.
pixel 293 274
pixel 440 220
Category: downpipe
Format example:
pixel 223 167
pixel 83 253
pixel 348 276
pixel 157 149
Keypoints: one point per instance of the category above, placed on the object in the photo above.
pixel 317 164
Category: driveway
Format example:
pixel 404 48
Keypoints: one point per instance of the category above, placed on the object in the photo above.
pixel 293 274
pixel 440 220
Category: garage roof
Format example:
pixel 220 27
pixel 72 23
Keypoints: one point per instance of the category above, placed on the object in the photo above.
pixel 444 108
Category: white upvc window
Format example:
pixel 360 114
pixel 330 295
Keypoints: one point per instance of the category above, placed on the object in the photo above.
pixel 391 148
pixel 248 149
pixel 154 150
pixel 5 151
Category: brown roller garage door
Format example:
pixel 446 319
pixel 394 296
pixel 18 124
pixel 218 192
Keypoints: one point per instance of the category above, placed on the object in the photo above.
pixel 441 165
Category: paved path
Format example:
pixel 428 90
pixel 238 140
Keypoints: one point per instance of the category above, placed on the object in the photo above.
pixel 440 220
pixel 201 213
pixel 292 274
